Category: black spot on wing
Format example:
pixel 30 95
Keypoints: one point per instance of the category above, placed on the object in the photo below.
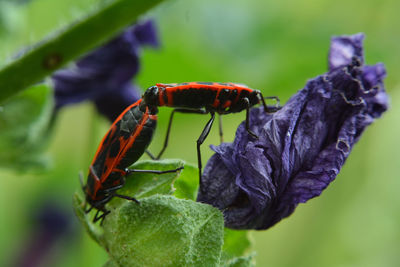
pixel 224 95
pixel 105 168
pixel 194 97
pixel 233 95
pixel 165 96
pixel 115 148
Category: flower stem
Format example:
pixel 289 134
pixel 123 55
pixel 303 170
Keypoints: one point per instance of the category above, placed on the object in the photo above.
pixel 59 48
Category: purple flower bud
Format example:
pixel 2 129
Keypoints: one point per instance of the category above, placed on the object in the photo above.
pixel 301 148
pixel 106 73
pixel 111 104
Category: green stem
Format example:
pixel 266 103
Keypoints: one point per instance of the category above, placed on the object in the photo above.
pixel 60 48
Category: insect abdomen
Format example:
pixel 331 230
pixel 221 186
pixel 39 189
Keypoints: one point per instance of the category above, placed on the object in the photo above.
pixel 194 95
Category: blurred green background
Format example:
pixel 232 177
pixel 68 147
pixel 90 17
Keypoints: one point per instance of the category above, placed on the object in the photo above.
pixel 274 46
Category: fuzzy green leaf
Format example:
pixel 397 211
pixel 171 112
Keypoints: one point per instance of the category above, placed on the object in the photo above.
pixel 142 185
pixel 137 185
pixel 58 49
pixel 24 123
pixel 160 231
pixel 164 231
pixel 93 230
pixel 111 263
pixel 247 261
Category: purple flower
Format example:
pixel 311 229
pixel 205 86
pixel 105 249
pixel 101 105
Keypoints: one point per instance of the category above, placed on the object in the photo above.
pixel 105 74
pixel 301 148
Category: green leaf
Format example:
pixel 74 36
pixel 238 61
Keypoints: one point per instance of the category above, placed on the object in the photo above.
pixel 58 49
pixel 142 185
pixel 137 185
pixel 247 261
pixel 236 243
pixel 160 231
pixel 93 230
pixel 111 263
pixel 164 231
pixel 25 126
pixel 187 184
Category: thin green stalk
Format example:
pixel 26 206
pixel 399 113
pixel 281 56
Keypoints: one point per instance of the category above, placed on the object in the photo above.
pixel 58 49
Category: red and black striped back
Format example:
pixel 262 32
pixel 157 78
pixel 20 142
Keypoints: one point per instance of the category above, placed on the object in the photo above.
pixel 123 144
pixel 218 97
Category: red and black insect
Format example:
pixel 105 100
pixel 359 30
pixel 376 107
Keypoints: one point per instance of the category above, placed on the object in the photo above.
pixel 123 144
pixel 203 98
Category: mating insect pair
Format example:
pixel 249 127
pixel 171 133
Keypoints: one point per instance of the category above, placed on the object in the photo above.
pixel 132 131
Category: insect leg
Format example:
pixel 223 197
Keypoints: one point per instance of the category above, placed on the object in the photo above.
pixel 196 111
pixel 248 118
pixel 105 212
pixel 105 200
pixel 89 209
pixel 95 219
pixel 98 217
pixel 201 139
pixel 126 197
pixel 277 104
pixel 270 108
pixel 221 134
pixel 150 155
pixel 102 216
pixel 167 135
pixel 114 188
pixel 129 171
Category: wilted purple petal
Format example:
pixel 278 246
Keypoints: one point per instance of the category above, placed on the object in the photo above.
pixel 344 48
pixel 106 71
pixel 301 148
